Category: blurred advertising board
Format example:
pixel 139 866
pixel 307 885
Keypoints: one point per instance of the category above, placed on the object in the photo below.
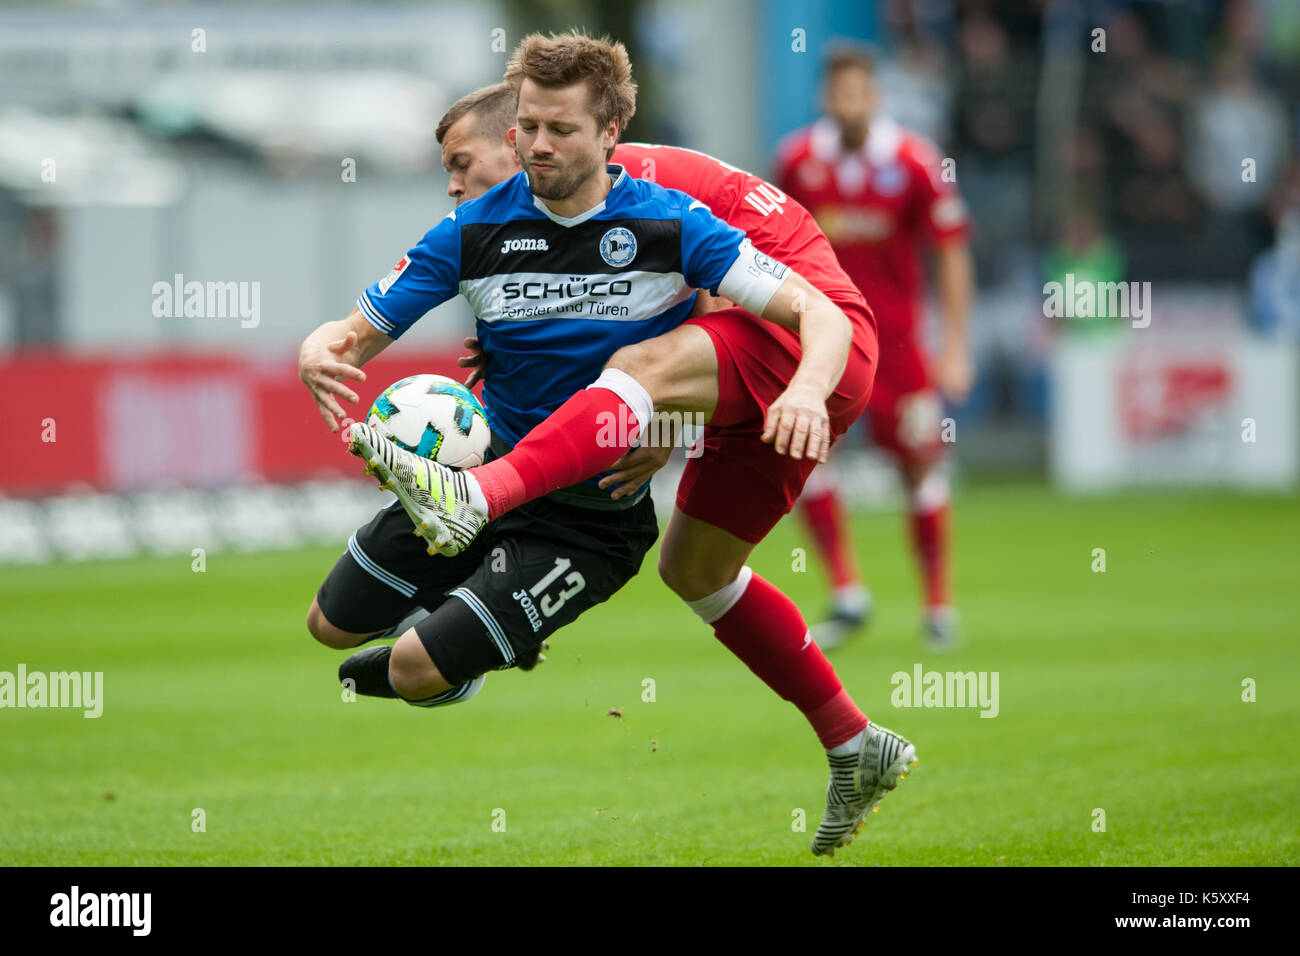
pixel 1195 404
pixel 125 424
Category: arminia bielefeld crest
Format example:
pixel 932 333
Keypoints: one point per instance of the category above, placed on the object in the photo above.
pixel 618 246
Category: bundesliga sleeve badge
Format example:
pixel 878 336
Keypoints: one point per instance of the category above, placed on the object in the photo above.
pixel 618 247
pixel 387 281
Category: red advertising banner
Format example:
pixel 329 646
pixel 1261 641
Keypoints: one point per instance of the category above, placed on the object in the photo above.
pixel 175 419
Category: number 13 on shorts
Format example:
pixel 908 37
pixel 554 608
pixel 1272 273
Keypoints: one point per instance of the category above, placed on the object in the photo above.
pixel 573 584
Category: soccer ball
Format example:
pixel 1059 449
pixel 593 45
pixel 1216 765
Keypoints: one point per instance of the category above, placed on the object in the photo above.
pixel 433 416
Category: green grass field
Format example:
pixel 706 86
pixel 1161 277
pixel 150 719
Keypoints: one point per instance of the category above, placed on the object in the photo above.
pixel 1119 690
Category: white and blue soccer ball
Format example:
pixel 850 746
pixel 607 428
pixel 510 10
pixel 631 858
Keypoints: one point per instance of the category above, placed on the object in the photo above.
pixel 433 416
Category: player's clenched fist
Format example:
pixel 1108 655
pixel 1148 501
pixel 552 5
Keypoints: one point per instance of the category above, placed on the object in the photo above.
pixel 797 424
pixel 322 370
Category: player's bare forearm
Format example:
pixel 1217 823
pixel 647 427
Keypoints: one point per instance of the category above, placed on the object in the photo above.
pixel 368 340
pixel 798 423
pixel 332 353
pixel 955 276
pixel 825 333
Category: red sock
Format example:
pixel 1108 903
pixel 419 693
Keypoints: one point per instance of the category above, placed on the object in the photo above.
pixel 581 438
pixel 823 514
pixel 766 631
pixel 930 539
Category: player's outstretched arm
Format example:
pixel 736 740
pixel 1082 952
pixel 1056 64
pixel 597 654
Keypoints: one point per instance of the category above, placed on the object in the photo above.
pixel 333 352
pixel 955 276
pixel 797 422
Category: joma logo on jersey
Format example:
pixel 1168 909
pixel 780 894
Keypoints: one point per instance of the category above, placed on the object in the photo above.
pixel 524 245
pixel 573 289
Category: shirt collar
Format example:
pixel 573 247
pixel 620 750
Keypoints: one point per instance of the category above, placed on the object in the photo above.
pixel 883 138
pixel 614 170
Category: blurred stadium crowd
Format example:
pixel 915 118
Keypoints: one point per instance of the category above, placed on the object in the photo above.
pixel 1159 106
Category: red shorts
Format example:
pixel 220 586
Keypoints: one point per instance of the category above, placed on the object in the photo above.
pixel 737 482
pixel 905 411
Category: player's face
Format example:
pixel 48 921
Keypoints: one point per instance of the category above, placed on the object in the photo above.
pixel 850 100
pixel 474 162
pixel 557 139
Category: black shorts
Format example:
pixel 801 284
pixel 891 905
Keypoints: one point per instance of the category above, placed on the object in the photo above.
pixel 526 575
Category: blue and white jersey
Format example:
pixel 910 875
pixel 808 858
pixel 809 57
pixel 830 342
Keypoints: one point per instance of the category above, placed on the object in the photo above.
pixel 555 297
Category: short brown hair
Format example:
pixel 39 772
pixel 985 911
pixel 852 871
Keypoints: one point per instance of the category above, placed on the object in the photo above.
pixel 845 56
pixel 564 59
pixel 493 106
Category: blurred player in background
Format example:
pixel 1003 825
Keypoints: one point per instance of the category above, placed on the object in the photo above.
pixel 880 193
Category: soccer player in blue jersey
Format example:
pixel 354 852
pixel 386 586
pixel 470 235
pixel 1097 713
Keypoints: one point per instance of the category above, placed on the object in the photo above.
pixel 564 264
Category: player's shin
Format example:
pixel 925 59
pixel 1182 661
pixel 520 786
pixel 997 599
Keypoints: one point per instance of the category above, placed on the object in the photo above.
pixel 764 628
pixel 366 673
pixel 928 521
pixel 581 438
pixel 822 512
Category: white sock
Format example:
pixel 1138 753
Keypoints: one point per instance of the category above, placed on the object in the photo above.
pixel 851 599
pixel 713 606
pixel 633 394
pixel 943 613
pixel 849 746
pixel 455 695
pixel 405 624
pixel 932 493
pixel 476 499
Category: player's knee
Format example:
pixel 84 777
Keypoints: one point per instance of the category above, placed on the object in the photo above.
pixel 671 572
pixel 634 359
pixel 692 579
pixel 650 365
pixel 927 486
pixel 675 569
pixel 410 670
pixel 319 627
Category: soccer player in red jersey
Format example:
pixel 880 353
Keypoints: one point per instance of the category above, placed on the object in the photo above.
pixel 881 193
pixel 737 369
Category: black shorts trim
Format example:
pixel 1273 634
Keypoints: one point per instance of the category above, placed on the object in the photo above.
pixel 372 567
pixel 494 629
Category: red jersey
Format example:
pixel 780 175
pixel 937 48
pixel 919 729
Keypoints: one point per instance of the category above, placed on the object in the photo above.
pixel 776 225
pixel 878 205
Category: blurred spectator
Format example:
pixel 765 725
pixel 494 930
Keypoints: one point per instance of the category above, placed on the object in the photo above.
pixel 1234 121
pixel 33 278
pixel 918 91
pixel 994 100
pixel 1275 275
pixel 994 125
pixel 1137 97
pixel 915 82
pixel 1086 252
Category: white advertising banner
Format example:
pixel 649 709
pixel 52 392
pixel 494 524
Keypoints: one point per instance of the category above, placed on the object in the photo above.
pixel 1202 405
